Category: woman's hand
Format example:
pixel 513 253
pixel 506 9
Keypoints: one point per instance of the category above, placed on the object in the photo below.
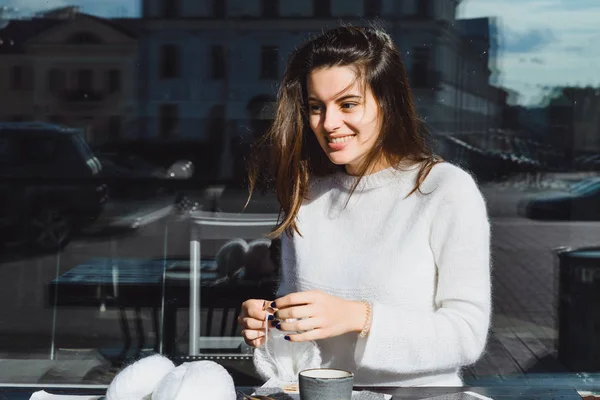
pixel 319 315
pixel 252 320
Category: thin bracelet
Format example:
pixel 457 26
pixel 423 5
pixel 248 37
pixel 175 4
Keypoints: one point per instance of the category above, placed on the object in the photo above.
pixel 367 327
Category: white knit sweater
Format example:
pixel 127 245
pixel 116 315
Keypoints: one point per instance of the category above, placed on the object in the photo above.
pixel 423 261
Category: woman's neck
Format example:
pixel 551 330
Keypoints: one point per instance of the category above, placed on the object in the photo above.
pixel 377 166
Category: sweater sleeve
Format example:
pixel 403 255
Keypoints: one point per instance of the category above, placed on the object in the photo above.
pixel 455 333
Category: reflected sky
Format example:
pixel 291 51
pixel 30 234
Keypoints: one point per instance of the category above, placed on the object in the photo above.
pixel 541 43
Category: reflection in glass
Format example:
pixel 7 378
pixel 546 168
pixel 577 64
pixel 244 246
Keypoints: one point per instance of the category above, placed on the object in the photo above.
pixel 508 90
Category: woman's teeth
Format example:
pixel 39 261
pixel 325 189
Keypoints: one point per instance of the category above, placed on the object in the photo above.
pixel 342 139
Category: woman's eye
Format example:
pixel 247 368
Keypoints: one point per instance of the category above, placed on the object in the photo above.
pixel 314 108
pixel 348 105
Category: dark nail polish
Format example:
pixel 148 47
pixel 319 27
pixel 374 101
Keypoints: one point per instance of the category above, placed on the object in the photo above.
pixel 271 317
pixel 273 305
pixel 274 323
pixel 278 326
pixel 286 338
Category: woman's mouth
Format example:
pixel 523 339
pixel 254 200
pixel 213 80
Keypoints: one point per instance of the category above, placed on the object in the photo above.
pixel 342 139
pixel 339 143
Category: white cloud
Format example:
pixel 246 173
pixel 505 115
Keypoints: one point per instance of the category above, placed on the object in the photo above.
pixel 571 57
pixel 28 6
pixel 104 8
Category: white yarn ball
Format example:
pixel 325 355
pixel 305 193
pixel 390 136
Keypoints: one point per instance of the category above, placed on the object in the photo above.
pixel 196 380
pixel 138 381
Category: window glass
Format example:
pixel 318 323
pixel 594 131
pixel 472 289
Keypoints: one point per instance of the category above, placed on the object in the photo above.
pixel 128 131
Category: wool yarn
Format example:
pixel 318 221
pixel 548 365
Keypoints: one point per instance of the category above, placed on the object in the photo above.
pixel 196 380
pixel 138 380
pixel 279 361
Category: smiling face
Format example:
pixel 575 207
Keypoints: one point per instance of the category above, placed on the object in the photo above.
pixel 344 116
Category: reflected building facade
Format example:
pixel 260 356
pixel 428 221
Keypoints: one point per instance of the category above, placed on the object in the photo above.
pixel 573 121
pixel 70 68
pixel 209 68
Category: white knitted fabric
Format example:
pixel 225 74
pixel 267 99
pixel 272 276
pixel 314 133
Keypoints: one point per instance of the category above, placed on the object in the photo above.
pixel 423 261
pixel 196 380
pixel 138 380
pixel 278 362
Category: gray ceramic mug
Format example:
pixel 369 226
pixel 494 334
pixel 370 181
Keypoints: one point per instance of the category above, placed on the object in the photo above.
pixel 325 384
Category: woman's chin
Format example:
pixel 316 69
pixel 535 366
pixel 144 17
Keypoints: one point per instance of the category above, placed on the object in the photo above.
pixel 338 159
pixel 338 163
pixel 348 162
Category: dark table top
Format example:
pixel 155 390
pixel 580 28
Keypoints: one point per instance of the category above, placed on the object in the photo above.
pixel 143 283
pixel 495 392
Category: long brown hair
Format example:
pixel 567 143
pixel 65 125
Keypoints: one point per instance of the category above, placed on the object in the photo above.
pixel 289 154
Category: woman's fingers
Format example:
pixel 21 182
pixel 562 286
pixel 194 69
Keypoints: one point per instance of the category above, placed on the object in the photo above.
pixel 252 334
pixel 296 299
pixel 253 323
pixel 315 334
pixel 299 325
pixel 255 309
pixel 257 342
pixel 254 320
pixel 296 312
pixel 253 337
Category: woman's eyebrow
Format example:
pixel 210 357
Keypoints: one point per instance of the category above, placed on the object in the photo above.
pixel 346 97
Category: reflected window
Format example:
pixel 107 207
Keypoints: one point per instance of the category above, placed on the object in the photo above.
pixel 170 8
pixel 269 62
pixel 84 38
pixel 219 8
pixel 169 61
pixel 218 63
pixel 114 127
pixel 421 73
pixel 24 150
pixel 85 79
pixel 270 8
pixel 57 80
pixel 21 78
pixel 372 8
pixel 424 8
pixel 322 8
pixel 215 124
pixel 114 81
pixel 168 120
pixel 39 151
pixel 17 78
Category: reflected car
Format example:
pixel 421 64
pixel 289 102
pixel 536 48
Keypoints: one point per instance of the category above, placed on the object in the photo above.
pixel 49 190
pixel 589 163
pixel 580 203
pixel 123 169
pixel 139 191
pixel 129 166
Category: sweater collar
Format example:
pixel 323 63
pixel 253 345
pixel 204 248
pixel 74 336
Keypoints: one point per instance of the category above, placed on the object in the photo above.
pixel 402 172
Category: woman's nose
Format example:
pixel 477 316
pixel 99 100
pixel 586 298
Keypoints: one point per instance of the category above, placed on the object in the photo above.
pixel 332 120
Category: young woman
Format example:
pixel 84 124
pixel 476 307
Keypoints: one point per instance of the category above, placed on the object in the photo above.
pixel 385 248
